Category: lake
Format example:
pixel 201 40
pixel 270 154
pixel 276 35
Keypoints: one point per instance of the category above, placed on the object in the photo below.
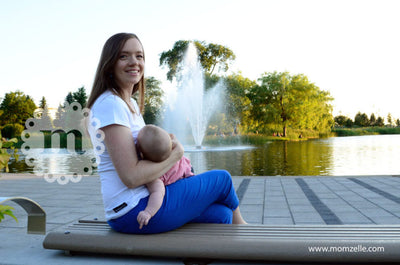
pixel 336 156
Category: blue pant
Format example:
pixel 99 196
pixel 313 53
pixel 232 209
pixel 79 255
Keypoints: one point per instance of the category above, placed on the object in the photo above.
pixel 205 198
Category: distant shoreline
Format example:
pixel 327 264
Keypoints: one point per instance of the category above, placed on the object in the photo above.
pixel 256 139
pixel 365 131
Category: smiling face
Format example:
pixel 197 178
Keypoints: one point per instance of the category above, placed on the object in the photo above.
pixel 129 68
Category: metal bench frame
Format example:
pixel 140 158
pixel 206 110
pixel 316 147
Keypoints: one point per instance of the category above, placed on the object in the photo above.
pixel 36 214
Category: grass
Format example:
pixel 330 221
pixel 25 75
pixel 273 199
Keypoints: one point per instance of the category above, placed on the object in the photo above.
pixel 261 139
pixel 365 131
pixel 246 139
pixel 293 135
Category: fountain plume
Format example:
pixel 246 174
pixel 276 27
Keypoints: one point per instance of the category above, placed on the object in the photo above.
pixel 192 105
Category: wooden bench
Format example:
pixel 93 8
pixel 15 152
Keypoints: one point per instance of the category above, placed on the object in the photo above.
pixel 36 215
pixel 311 243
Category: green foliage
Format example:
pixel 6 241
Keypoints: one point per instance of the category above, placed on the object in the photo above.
pixel 12 130
pixel 389 119
pixel 16 107
pixel 172 58
pixel 361 120
pixel 238 104
pixel 6 210
pixel 211 80
pixel 69 98
pixel 43 103
pixel 63 118
pixel 78 96
pixel 4 154
pixel 288 101
pixel 4 158
pixel 210 55
pixel 372 119
pixel 44 114
pixel 260 139
pixel 291 101
pixel 153 100
pixel 215 55
pixel 383 130
pixel 379 122
pixel 365 131
pixel 341 120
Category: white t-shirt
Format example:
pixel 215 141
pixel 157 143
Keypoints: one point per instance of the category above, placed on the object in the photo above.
pixel 110 109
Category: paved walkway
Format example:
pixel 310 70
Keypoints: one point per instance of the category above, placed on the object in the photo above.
pixel 264 200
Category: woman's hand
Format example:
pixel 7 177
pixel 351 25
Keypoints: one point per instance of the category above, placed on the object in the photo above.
pixel 177 147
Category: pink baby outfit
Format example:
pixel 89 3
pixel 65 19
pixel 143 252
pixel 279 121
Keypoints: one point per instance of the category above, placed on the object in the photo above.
pixel 182 169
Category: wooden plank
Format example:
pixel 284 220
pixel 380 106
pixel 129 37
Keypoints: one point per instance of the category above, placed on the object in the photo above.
pixel 251 242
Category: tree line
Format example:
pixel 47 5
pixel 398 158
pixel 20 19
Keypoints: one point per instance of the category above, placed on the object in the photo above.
pixel 362 120
pixel 277 102
pixel 16 108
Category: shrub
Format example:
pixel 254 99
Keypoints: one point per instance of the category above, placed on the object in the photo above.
pixel 7 210
pixel 4 158
pixel 12 130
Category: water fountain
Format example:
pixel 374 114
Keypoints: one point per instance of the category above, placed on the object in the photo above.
pixel 192 104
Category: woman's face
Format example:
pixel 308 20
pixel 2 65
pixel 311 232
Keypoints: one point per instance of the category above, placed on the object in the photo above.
pixel 129 68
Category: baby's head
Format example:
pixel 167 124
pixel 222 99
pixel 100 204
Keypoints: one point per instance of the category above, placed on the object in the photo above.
pixel 154 143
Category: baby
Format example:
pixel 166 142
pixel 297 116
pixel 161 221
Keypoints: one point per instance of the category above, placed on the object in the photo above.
pixel 155 144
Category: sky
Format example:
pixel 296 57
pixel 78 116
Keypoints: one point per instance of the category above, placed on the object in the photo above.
pixel 350 48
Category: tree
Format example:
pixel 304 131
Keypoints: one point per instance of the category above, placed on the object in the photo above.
pixel 153 100
pixel 78 96
pixel 291 101
pixel 210 55
pixel 380 122
pixel 372 120
pixel 16 107
pixel 59 116
pixel 44 114
pixel 341 120
pixel 69 98
pixel 238 104
pixel 268 102
pixel 43 103
pixel 361 120
pixel 389 119
pixel 349 123
pixel 215 54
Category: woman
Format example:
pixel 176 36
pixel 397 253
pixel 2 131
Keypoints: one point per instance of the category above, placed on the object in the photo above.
pixel 209 197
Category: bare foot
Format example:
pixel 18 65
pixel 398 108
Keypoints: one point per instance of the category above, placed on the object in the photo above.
pixel 237 217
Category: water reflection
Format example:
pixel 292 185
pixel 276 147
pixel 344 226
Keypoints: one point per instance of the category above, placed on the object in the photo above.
pixel 272 159
pixel 53 161
pixel 366 155
pixel 361 155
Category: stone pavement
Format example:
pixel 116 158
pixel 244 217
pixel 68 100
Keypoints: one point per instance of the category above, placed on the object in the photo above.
pixel 264 200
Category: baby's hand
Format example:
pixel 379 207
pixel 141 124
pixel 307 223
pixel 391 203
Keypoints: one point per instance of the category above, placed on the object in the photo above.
pixel 143 218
